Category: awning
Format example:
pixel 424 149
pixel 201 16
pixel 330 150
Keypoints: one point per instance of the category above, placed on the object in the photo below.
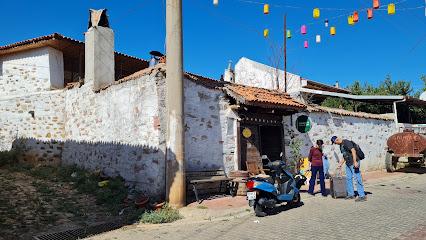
pixel 381 99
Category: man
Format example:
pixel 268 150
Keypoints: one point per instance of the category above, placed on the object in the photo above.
pixel 352 168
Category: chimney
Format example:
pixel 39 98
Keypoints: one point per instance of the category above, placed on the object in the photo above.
pixel 229 76
pixel 99 51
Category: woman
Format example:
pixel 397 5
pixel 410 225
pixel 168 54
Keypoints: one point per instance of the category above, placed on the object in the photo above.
pixel 315 158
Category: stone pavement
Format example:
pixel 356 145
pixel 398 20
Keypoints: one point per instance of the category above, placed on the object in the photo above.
pixel 394 210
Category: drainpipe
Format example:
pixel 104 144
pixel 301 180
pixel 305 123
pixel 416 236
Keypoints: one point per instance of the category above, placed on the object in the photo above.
pixel 395 111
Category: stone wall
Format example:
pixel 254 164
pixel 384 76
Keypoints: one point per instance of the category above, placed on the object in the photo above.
pixel 210 134
pixel 118 130
pixel 33 121
pixel 31 71
pixel 370 134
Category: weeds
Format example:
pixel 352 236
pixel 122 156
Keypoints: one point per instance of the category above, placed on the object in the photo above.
pixel 8 157
pixel 163 215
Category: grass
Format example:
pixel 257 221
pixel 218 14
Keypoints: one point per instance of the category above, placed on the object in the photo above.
pixel 163 215
pixel 110 196
pixel 202 207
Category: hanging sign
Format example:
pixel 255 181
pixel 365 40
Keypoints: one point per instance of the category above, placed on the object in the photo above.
pixel 303 124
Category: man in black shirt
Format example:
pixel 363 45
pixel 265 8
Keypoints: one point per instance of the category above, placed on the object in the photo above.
pixel 350 157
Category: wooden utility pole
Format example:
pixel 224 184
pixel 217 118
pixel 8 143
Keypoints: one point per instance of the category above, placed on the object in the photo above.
pixel 175 151
pixel 285 53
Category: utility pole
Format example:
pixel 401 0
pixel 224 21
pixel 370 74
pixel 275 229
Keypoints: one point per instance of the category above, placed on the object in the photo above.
pixel 175 151
pixel 285 53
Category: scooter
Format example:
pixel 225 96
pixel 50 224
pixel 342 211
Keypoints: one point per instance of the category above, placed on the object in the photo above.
pixel 264 192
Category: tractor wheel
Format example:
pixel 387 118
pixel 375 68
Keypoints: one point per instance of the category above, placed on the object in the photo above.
pixel 391 162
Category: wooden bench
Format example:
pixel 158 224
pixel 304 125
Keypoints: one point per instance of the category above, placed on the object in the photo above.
pixel 196 178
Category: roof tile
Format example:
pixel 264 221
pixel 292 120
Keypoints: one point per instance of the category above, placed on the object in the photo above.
pixel 262 97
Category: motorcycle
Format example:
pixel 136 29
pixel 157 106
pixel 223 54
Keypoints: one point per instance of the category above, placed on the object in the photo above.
pixel 264 192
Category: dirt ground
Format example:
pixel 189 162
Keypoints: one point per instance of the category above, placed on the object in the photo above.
pixel 30 205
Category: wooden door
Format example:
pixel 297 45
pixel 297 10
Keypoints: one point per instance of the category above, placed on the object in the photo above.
pixel 250 146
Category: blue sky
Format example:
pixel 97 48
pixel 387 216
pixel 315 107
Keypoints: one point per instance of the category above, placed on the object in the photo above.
pixel 367 52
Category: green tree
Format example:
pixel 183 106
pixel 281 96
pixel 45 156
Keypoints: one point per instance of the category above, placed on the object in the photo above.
pixel 387 87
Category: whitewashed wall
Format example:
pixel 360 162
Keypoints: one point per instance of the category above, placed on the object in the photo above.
pixel 370 134
pixel 210 131
pixel 37 120
pixel 31 71
pixel 118 130
pixel 251 73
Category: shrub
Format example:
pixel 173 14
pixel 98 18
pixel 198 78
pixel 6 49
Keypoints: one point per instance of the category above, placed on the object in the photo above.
pixel 163 215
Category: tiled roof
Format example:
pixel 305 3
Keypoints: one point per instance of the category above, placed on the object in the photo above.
pixel 45 41
pixel 262 97
pixel 205 81
pixel 198 79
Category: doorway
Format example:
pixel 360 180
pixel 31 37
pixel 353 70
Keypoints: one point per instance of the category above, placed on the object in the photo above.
pixel 258 140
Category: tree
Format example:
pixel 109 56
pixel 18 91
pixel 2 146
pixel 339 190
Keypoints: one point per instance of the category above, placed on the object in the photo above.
pixel 387 87
pixel 423 78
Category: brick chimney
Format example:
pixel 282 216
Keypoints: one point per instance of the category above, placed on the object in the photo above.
pixel 99 51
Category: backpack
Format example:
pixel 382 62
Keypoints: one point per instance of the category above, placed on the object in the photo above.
pixel 360 154
pixel 358 150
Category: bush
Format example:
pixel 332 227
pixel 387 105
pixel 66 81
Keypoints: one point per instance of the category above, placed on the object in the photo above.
pixel 163 215
pixel 8 157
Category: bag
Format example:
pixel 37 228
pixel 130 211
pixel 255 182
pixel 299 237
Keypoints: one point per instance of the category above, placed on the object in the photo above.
pixel 359 152
pixel 338 186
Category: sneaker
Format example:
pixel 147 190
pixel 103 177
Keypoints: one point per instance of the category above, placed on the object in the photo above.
pixel 349 197
pixel 361 199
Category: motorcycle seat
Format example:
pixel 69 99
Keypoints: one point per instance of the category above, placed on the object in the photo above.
pixel 265 177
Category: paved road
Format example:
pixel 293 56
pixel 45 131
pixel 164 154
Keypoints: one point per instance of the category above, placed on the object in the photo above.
pixel 395 210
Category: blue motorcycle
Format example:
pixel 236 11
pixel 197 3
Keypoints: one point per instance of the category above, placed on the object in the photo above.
pixel 264 192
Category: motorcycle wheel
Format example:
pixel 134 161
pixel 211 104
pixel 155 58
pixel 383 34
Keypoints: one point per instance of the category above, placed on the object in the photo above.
pixel 259 211
pixel 296 200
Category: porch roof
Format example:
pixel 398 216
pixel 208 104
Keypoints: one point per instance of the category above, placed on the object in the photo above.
pixel 261 97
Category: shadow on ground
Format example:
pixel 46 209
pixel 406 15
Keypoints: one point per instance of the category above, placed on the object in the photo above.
pixel 417 170
pixel 283 208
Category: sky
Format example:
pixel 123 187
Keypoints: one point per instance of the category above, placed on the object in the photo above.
pixel 213 35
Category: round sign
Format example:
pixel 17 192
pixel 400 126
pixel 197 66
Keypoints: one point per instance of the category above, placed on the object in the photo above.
pixel 246 132
pixel 303 124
